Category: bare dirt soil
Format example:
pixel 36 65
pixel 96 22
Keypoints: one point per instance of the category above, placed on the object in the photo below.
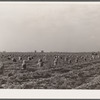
pixel 84 74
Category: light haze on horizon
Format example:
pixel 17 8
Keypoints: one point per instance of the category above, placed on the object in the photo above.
pixel 62 27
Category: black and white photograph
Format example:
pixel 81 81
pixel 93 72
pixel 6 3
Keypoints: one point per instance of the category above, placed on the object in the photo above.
pixel 50 45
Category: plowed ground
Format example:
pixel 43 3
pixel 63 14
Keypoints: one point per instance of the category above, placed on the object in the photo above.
pixel 81 75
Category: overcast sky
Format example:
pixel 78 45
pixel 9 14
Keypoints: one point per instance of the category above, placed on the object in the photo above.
pixel 49 26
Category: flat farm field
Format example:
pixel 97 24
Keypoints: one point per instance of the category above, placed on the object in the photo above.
pixel 72 71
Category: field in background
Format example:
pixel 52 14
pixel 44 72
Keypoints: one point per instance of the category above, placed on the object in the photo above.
pixel 84 74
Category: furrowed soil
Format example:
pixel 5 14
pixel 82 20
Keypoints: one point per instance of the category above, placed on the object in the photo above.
pixel 80 75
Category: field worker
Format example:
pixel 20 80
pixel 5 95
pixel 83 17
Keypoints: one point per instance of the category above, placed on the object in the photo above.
pixel 93 57
pixel 55 62
pixel 29 58
pixel 24 64
pixel 40 63
pixel 76 60
pixel 20 58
